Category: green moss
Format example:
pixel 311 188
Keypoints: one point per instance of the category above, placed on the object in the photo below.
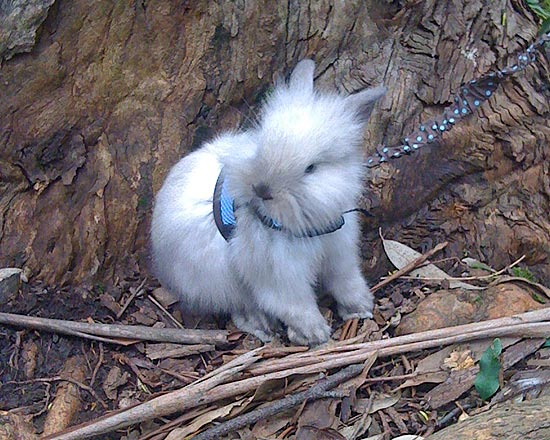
pixel 542 10
pixel 522 272
pixel 143 202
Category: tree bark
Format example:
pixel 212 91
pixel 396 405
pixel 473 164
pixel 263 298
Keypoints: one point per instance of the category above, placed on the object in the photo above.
pixel 113 94
pixel 511 421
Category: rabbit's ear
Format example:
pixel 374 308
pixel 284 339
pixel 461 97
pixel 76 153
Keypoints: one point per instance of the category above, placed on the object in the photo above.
pixel 302 76
pixel 363 102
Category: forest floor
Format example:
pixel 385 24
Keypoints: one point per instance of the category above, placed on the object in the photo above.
pixel 49 381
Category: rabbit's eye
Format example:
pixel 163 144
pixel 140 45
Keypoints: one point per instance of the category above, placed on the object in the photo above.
pixel 310 169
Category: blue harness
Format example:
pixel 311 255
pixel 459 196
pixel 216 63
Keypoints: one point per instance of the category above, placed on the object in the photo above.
pixel 224 215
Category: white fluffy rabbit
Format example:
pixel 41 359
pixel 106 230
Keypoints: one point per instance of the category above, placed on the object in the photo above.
pixel 285 188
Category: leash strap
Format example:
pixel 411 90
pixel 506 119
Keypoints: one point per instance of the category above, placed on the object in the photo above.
pixel 468 99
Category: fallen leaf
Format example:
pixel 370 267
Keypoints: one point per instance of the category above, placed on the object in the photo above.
pixel 378 403
pixel 357 429
pixel 202 420
pixel 165 297
pixel 319 414
pixel 400 255
pixel 521 383
pixel 268 427
pixel 144 316
pixel 475 264
pixel 459 360
pixel 109 302
pixel 314 433
pixel 267 389
pixel 460 381
pixel 115 378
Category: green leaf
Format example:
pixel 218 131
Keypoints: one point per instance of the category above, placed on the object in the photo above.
pixel 487 380
pixel 540 8
pixel 523 272
pixel 546 343
pixel 475 264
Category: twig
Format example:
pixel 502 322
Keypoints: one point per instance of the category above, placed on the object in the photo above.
pixel 390 378
pixel 345 330
pixel 129 332
pixel 177 401
pixel 313 356
pixel 472 278
pixel 98 364
pixel 315 392
pixel 216 387
pixel 409 267
pixel 48 380
pixel 136 292
pixel 164 311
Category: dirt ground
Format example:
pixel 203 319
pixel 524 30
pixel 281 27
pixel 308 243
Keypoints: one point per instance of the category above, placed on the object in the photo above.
pixel 116 376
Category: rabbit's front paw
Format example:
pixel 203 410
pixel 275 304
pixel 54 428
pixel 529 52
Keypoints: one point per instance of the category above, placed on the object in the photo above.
pixel 257 324
pixel 357 305
pixel 312 332
pixel 362 310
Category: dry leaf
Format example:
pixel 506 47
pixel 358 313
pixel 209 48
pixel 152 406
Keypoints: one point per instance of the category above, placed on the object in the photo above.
pixel 115 378
pixel 109 302
pixel 432 369
pixel 319 414
pixel 376 437
pixel 165 297
pixel 268 427
pixel 400 255
pixel 314 433
pixel 357 429
pixel 202 420
pixel 379 403
pixel 459 360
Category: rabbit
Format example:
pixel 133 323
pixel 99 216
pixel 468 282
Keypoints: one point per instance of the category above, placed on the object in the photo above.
pixel 290 178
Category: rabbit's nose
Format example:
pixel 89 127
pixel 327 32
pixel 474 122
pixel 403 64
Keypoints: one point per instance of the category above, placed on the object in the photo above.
pixel 263 190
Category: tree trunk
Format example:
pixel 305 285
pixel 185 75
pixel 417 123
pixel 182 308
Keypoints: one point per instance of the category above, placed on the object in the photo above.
pixel 511 421
pixel 115 92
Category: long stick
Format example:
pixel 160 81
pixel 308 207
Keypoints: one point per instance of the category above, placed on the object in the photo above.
pixel 478 328
pixel 315 392
pixel 217 388
pixel 131 332
pixel 177 401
